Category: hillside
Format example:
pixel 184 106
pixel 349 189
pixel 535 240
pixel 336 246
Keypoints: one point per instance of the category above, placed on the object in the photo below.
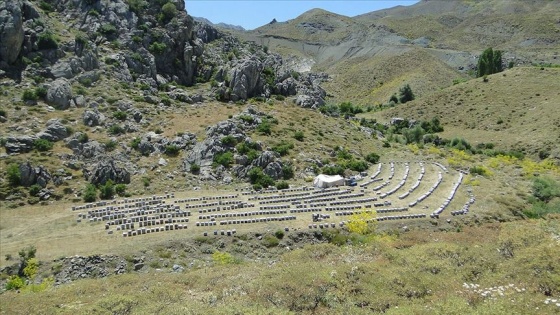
pixel 154 163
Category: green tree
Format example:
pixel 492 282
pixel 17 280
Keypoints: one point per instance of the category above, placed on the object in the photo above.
pixel 489 62
pixel 13 174
pixel 107 191
pixel 406 94
pixel 90 193
pixel 169 11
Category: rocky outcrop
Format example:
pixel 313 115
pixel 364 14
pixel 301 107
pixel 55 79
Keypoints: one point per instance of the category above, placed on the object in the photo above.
pixel 55 131
pixel 107 170
pixel 19 144
pixel 31 175
pixel 11 30
pixel 92 118
pixel 245 80
pixel 96 266
pixel 59 94
pixel 90 149
pixel 310 93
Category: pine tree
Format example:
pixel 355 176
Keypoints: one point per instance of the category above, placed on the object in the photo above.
pixel 405 94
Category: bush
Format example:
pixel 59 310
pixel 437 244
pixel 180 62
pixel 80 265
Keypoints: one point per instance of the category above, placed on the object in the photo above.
pixel 41 91
pixel 405 94
pixel 119 115
pixel 110 145
pixel 90 193
pixel 157 48
pixel 333 170
pixel 373 158
pixel 34 190
pixel 13 174
pixel 45 6
pixel 29 95
pixel 225 159
pixel 116 130
pixel 83 138
pixel 270 241
pixel 3 113
pixel 195 168
pixel 545 188
pixel 47 40
pixel 283 148
pixel 245 147
pixel 357 165
pixel 279 234
pixel 257 176
pixel 42 145
pixel 135 143
pixel 287 171
pixel 229 140
pixel 15 283
pixel 265 128
pixel 120 189
pixel 172 150
pixel 107 29
pixel 282 185
pixel 299 136
pixel 107 191
pixel 169 11
pixel 223 258
pixel 137 6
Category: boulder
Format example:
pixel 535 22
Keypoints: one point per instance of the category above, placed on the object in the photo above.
pixel 31 175
pixel 92 118
pixel 20 144
pixel 11 30
pixel 107 170
pixel 62 69
pixel 245 79
pixel 145 147
pixel 55 131
pixel 59 94
pixel 92 149
pixel 274 170
pixel 265 158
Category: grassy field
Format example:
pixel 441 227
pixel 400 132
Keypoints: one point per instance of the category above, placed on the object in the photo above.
pixel 507 268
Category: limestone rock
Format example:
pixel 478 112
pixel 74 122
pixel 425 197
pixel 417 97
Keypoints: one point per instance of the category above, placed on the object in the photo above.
pixel 55 131
pixel 92 118
pixel 11 30
pixel 245 80
pixel 59 94
pixel 92 149
pixel 107 170
pixel 31 175
pixel 20 144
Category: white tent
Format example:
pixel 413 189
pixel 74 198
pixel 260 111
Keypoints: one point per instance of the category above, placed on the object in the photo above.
pixel 325 181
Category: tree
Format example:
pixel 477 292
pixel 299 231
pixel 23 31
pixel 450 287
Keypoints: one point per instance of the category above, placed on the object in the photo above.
pixel 405 94
pixel 107 191
pixel 169 11
pixel 90 194
pixel 490 62
pixel 13 174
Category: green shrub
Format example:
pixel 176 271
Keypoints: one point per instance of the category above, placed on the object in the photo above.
pixel 45 6
pixel 135 143
pixel 333 170
pixel 245 147
pixel 229 140
pixel 265 127
pixel 195 168
pixel 90 193
pixel 257 187
pixel 146 181
pixel 169 11
pixel 34 190
pixel 225 159
pixel 107 29
pixel 119 115
pixel 110 145
pixel 257 176
pixel 406 94
pixel 270 241
pixel 107 190
pixel 545 188
pixel 120 189
pixel 357 165
pixel 283 148
pixel 15 283
pixel 282 185
pixel 157 48
pixel 299 136
pixel 279 234
pixel 172 150
pixel 41 91
pixel 116 130
pixel 29 95
pixel 83 138
pixel 279 97
pixel 47 40
pixel 13 174
pixel 373 158
pixel 42 145
pixel 287 171
pixel 137 6
pixel 3 113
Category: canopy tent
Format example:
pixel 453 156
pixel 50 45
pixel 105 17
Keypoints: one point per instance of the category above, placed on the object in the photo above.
pixel 325 181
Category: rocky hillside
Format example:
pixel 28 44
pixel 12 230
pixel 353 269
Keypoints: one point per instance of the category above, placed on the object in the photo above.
pixel 371 55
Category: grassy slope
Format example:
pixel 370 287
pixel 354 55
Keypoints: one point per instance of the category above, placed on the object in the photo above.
pixel 412 273
pixel 523 99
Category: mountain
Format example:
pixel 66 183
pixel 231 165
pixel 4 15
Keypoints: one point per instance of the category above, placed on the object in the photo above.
pixel 220 25
pixel 152 162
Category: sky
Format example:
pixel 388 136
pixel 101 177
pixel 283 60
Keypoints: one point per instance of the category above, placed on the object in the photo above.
pixel 255 13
